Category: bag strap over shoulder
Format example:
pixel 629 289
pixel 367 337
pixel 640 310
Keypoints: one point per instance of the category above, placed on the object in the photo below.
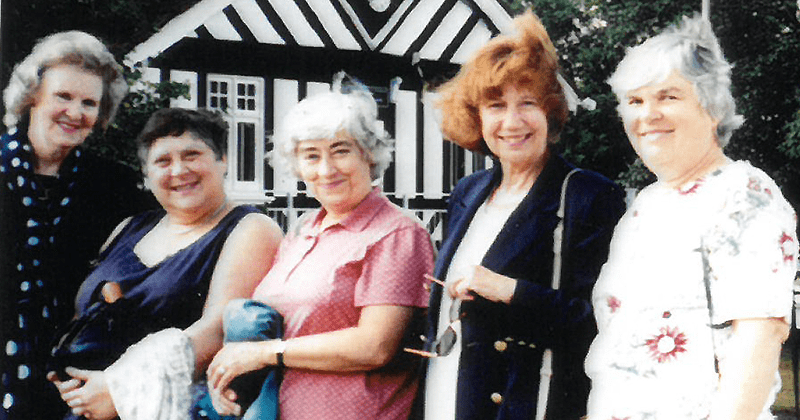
pixel 558 246
pixel 558 233
pixel 709 302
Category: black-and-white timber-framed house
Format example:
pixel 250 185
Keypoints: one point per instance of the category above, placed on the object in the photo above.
pixel 253 59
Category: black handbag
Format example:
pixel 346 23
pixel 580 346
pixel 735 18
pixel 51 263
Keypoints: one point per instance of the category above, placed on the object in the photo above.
pixel 97 338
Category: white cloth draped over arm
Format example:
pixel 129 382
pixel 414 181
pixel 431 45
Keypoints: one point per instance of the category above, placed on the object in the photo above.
pixel 151 381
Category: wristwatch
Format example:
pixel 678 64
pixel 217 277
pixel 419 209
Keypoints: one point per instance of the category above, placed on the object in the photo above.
pixel 280 348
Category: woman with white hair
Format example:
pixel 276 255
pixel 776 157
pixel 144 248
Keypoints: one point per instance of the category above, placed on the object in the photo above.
pixel 348 278
pixel 57 204
pixel 695 299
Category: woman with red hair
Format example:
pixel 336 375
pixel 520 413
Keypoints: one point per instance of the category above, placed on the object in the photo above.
pixel 499 309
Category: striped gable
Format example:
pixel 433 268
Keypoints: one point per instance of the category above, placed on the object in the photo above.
pixel 255 59
pixel 434 30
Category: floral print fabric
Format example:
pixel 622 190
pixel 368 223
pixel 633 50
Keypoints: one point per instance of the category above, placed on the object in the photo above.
pixel 654 356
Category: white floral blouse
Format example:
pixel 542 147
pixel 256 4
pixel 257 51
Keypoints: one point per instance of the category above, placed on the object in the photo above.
pixel 654 356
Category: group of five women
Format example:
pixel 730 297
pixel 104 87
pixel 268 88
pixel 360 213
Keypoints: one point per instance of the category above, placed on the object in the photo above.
pixel 692 305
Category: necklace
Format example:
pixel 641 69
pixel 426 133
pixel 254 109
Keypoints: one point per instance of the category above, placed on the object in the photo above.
pixel 201 223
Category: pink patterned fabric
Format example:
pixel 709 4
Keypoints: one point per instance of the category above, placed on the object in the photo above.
pixel 320 282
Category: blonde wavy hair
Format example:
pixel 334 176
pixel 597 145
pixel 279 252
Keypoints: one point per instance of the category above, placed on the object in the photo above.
pixel 73 48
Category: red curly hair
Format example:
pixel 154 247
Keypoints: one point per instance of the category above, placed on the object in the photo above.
pixel 525 58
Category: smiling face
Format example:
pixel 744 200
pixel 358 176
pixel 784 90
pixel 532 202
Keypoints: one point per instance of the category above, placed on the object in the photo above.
pixel 184 174
pixel 514 128
pixel 336 171
pixel 670 130
pixel 64 111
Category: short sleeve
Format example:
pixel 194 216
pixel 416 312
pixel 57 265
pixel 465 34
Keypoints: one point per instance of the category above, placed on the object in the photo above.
pixel 752 252
pixel 394 269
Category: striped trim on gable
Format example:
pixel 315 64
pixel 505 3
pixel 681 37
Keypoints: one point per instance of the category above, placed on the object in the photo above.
pixel 277 23
pixel 315 23
pixel 436 30
pixel 238 24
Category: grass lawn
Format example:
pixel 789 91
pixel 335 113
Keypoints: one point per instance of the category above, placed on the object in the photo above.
pixel 784 404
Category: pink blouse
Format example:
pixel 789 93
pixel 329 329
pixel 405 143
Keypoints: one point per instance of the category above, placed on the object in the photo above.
pixel 319 283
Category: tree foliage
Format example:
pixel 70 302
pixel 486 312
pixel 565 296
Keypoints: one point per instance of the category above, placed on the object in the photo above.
pixel 121 24
pixel 117 143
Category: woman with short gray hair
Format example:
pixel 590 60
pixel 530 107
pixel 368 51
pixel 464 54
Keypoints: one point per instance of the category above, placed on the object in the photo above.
pixel 352 111
pixel 696 297
pixel 348 278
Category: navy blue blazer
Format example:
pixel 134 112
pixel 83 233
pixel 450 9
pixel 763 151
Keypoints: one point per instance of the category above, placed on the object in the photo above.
pixel 502 344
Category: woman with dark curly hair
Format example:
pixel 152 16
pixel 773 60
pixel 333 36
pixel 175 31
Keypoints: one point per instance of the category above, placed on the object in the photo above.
pixel 176 267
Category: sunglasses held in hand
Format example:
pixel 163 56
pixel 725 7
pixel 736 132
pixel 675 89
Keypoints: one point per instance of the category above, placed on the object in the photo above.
pixel 447 340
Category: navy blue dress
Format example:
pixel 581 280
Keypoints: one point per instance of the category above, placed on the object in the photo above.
pixel 39 276
pixel 172 293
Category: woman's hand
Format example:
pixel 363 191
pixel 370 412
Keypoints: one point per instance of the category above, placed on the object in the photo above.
pixel 485 283
pixel 92 399
pixel 235 359
pixel 224 402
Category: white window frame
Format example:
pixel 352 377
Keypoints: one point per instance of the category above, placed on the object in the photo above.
pixel 242 190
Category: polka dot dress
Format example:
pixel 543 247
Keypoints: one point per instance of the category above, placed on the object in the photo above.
pixel 29 323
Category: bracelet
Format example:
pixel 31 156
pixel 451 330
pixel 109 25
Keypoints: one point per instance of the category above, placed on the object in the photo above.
pixel 279 354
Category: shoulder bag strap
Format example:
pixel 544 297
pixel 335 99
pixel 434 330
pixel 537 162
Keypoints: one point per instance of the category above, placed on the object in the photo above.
pixel 547 357
pixel 709 302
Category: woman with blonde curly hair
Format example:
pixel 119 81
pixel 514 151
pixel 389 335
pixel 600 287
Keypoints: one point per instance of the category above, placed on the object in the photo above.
pixel 499 319
pixel 57 204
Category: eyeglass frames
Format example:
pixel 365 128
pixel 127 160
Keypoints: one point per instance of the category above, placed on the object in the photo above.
pixel 447 340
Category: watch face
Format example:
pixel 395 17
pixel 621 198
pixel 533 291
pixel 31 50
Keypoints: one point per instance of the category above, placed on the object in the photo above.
pixel 379 5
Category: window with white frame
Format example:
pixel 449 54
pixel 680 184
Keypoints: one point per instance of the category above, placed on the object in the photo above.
pixel 241 99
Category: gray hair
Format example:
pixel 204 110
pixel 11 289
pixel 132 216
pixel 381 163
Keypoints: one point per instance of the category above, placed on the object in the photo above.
pixel 72 48
pixel 694 51
pixel 348 107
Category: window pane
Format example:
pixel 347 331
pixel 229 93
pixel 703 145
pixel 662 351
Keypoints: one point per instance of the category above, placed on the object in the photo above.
pixel 240 88
pixel 214 102
pixel 251 90
pixel 251 104
pixel 223 87
pixel 240 103
pixel 246 152
pixel 214 87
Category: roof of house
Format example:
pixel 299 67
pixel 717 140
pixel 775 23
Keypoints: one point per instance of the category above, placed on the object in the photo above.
pixel 435 30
